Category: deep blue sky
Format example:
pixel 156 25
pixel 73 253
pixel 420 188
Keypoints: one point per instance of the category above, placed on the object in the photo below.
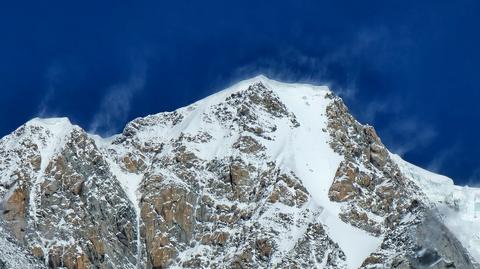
pixel 410 68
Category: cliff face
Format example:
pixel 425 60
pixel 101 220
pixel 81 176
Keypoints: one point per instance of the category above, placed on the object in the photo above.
pixel 263 174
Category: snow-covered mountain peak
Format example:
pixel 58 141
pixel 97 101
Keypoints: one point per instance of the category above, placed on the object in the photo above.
pixel 276 87
pixel 250 93
pixel 50 122
pixel 38 140
pixel 262 174
pixel 273 84
pixel 47 134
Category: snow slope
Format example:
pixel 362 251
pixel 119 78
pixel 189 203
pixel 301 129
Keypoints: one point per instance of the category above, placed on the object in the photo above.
pixel 459 206
pixel 309 155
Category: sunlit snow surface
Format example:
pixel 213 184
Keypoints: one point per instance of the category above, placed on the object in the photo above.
pixel 459 206
pixel 306 152
pixel 59 130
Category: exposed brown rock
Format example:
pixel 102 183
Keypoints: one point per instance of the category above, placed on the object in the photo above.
pixel 239 179
pixel 82 262
pixel 67 257
pixel 161 257
pixel 248 144
pixel 243 260
pixel 264 247
pixel 372 260
pixel 133 164
pixel 217 238
pixel 37 251
pixel 14 212
pixel 341 191
pixel 167 214
pixel 36 161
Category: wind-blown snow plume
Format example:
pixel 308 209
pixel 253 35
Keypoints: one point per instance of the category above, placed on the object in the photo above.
pixel 53 75
pixel 116 104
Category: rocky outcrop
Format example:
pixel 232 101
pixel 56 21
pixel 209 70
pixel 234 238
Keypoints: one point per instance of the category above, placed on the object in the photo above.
pixel 196 210
pixel 168 218
pixel 376 194
pixel 71 213
pixel 381 200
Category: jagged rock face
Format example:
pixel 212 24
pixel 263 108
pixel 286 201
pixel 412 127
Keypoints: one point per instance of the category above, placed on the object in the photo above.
pixel 263 175
pixel 379 199
pixel 80 200
pixel 72 212
pixel 196 210
pixel 375 194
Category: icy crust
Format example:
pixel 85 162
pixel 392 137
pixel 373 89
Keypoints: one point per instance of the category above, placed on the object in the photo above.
pixel 436 187
pixel 458 206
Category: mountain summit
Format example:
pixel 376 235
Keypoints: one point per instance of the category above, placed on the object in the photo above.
pixel 263 174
